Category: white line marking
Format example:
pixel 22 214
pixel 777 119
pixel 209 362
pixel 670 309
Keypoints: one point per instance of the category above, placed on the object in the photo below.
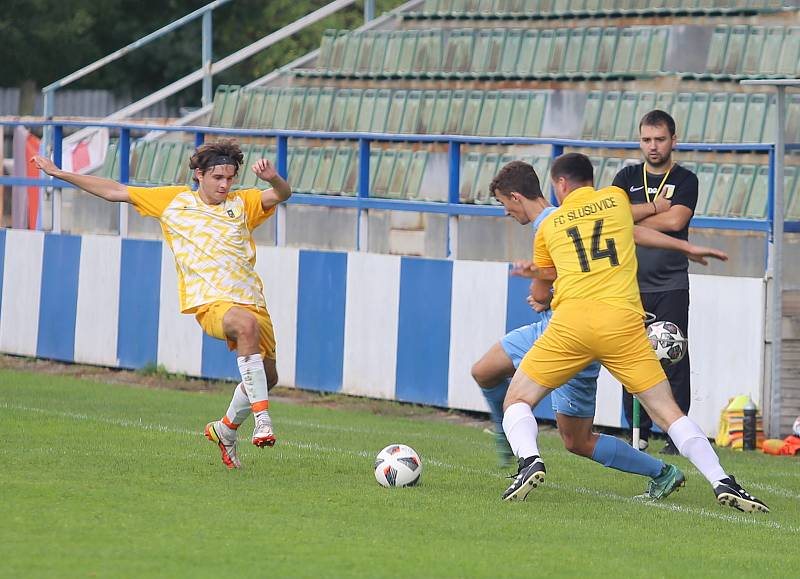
pixel 139 424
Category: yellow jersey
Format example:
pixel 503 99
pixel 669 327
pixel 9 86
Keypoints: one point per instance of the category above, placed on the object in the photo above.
pixel 214 251
pixel 589 240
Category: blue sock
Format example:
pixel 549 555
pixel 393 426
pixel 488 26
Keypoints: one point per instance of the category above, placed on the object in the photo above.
pixel 495 397
pixel 614 453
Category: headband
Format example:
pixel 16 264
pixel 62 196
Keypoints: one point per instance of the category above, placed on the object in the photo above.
pixel 222 160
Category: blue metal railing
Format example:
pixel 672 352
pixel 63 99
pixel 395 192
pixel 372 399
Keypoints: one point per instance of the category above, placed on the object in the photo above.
pixel 363 201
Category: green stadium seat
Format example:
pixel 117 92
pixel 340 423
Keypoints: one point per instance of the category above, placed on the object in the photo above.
pixel 160 156
pixel 645 104
pixel 485 121
pixel 296 160
pixel 296 108
pixel 716 52
pixel 517 122
pixel 397 108
pixel 352 51
pixel 696 121
pixel 380 45
pixel 252 115
pixel 664 101
pixel 657 50
pixel 751 58
pixel 588 52
pixel 405 64
pixel 444 7
pixel 457 54
pixel 338 53
pixel 626 122
pixel 790 53
pixel 379 185
pixel 773 42
pixel 622 60
pixel 305 183
pixel 428 56
pixel 502 114
pixel 395 187
pixel 715 121
pixel 535 120
pixel 792 195
pixel 706 174
pixel 558 52
pixel 740 191
pixel 364 120
pixel 793 118
pixel 734 124
pixel 720 192
pixel 472 113
pixel 681 108
pixel 338 109
pixel 442 111
pixel 734 51
pixel 339 171
pixel 394 50
pixel 364 55
pixel 458 103
pixel 591 114
pixel 606 53
pixel 541 59
pixel 528 50
pixel 611 167
pixel 487 171
pixel 571 67
pixel 641 46
pixel 110 167
pixel 145 153
pixel 755 115
pixel 427 105
pixel 757 203
pixel 512 53
pixel 177 166
pixel 381 110
pixel 470 166
pixel 271 98
pixel 282 105
pixel 487 53
pixel 412 188
pixel 325 51
pixel 409 123
pixel 607 118
pixel 223 112
pixel 320 184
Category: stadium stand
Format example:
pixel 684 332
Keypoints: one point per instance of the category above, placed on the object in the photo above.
pixel 524 68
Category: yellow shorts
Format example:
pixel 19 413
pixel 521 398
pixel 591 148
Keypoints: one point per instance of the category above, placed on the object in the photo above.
pixel 583 331
pixel 209 316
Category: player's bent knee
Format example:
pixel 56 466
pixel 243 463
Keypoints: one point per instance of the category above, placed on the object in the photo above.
pixel 577 445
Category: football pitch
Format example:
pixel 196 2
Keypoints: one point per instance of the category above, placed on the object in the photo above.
pixel 102 480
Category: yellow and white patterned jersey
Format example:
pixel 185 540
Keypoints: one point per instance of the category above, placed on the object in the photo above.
pixel 213 245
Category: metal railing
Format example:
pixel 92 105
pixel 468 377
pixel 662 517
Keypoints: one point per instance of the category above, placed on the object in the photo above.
pixel 363 202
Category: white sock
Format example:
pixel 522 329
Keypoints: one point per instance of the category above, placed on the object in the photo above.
pixel 254 380
pixel 238 410
pixel 693 444
pixel 521 430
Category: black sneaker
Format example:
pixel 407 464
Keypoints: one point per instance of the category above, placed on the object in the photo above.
pixel 529 476
pixel 731 494
pixel 669 448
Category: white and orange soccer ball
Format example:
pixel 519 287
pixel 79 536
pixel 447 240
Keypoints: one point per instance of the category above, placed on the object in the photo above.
pixel 668 341
pixel 398 465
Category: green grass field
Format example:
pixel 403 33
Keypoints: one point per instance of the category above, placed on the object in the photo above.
pixel 104 480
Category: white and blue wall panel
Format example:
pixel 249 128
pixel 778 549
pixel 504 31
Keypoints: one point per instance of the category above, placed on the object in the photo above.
pixel 381 326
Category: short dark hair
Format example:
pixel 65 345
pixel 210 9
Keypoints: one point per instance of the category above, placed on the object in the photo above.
pixel 574 167
pixel 206 154
pixel 517 176
pixel 657 118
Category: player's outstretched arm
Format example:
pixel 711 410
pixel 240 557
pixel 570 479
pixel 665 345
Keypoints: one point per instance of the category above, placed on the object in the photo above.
pixel 280 190
pixel 647 237
pixel 107 189
pixel 525 268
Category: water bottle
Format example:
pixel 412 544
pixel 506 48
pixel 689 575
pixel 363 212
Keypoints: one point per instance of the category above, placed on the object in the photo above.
pixel 749 425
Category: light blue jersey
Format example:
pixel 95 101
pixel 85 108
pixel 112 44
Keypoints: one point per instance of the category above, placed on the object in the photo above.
pixel 575 398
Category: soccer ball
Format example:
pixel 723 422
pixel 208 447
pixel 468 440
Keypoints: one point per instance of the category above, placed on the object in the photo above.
pixel 668 342
pixel 397 465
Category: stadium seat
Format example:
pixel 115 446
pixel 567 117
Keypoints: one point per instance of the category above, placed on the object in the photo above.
pixel 455 116
pixel 319 185
pixel 773 42
pixel 541 58
pixel 339 171
pixel 457 54
pixel 757 203
pixel 501 119
pixel 427 104
pixel 144 154
pixel 720 192
pixel 696 120
pixel 645 104
pixel 296 161
pixel 680 109
pixel 416 171
pixel 442 111
pixel 715 121
pixel 408 124
pixel 792 195
pixel 740 191
pixel 487 113
pixel 472 113
pixel 528 51
pixel 379 184
pixel 395 187
pixel 610 169
pixel 606 52
pixel 364 120
pixel 588 52
pixel 751 58
pixel 790 53
pixel 518 116
pixel 591 113
pixel 626 122
pixel 428 55
pixel 607 118
pixel 512 53
pixel 734 123
pixel 706 174
pixel 734 50
pixel 623 51
pixel 487 171
pixel 308 174
pixel 381 110
pixel 374 64
pixel 352 51
pixel 487 53
pixel 223 112
pixel 470 165
pixel 755 115
pixel 252 115
pixel 656 50
pixel 397 108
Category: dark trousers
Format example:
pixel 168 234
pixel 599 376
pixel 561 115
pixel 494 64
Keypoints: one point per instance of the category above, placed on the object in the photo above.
pixel 671 306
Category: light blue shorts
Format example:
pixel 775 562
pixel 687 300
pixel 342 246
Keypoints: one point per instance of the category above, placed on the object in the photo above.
pixel 575 398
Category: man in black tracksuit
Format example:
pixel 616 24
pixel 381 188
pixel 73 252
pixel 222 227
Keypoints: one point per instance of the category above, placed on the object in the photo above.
pixel 663 196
